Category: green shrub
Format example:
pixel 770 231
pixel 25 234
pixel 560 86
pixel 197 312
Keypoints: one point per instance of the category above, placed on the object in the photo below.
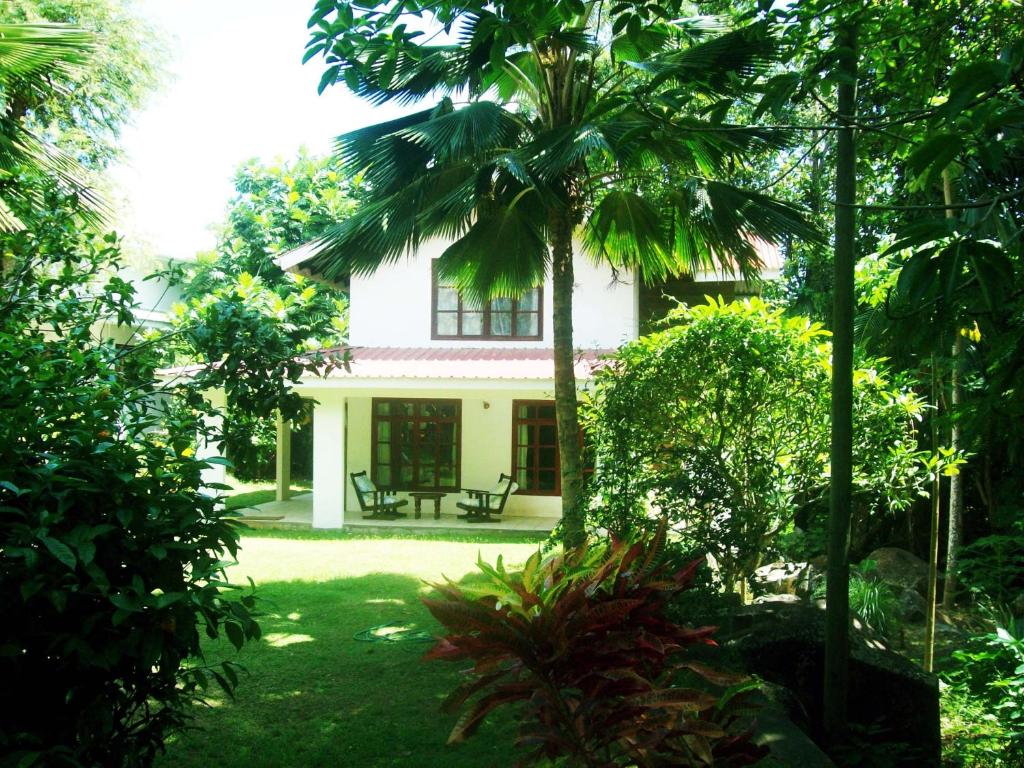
pixel 992 567
pixel 720 423
pixel 581 642
pixel 112 557
pixel 991 670
pixel 874 601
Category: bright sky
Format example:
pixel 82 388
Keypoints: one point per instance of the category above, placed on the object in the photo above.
pixel 238 90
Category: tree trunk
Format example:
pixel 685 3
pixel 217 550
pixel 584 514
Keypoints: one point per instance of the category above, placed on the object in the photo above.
pixel 956 482
pixel 837 619
pixel 933 536
pixel 565 380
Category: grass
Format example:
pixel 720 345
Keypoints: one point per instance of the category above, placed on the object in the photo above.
pixel 971 734
pixel 251 493
pixel 313 695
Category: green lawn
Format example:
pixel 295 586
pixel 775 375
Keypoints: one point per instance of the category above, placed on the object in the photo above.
pixel 250 493
pixel 314 695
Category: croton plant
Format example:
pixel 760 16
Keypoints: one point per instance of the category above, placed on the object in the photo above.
pixel 580 640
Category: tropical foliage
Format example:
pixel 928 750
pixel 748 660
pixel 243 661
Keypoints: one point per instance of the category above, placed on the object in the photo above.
pixel 112 555
pixel 719 423
pixel 276 207
pixel 579 123
pixel 30 57
pixel 581 642
pixel 84 106
pixel 990 669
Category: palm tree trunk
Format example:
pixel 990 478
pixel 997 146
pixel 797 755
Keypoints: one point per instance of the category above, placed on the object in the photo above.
pixel 837 619
pixel 565 380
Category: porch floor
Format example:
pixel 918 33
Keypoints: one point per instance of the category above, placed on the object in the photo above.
pixel 297 512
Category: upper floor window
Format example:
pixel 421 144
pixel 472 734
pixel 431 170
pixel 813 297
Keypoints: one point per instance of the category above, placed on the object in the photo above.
pixel 455 317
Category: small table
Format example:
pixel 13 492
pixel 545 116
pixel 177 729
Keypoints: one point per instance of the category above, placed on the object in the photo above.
pixel 419 496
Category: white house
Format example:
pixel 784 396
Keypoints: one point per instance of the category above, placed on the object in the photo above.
pixel 154 297
pixel 441 395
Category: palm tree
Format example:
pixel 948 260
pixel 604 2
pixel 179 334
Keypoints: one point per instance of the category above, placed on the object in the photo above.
pixel 571 124
pixel 29 54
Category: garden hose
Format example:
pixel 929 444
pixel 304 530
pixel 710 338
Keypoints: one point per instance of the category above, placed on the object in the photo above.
pixel 393 632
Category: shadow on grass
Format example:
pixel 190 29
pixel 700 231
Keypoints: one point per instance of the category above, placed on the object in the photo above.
pixel 314 695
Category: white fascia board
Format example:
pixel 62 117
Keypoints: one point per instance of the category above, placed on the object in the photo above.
pixel 432 385
pixel 289 261
pixel 292 261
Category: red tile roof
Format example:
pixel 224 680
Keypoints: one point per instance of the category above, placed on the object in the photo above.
pixel 459 363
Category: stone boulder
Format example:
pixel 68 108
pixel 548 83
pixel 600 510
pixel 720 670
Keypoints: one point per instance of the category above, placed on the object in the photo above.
pixel 812 577
pixel 788 599
pixel 911 608
pixel 778 578
pixel 900 569
pixel 785 644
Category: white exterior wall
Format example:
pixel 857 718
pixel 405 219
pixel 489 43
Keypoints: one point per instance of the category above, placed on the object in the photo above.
pixel 329 471
pixel 391 308
pixel 486 437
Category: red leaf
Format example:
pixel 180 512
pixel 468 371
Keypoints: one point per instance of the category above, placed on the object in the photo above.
pixel 458 697
pixel 712 675
pixel 687 699
pixel 471 720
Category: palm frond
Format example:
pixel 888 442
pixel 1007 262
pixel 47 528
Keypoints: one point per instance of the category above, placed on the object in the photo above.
pixel 20 148
pixel 555 152
pixel 396 76
pixel 354 149
pixel 29 49
pixel 578 40
pixel 627 231
pixel 28 53
pixel 516 76
pixel 716 66
pixel 450 200
pixel 9 222
pixel 388 161
pixel 715 225
pixel 378 232
pixel 503 253
pixel 642 44
pixel 479 127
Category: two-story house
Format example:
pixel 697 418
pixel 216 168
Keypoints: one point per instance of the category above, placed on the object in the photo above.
pixel 441 394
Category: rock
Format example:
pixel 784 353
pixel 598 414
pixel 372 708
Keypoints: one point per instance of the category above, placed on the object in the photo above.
pixel 911 607
pixel 890 696
pixel 777 599
pixel 899 568
pixel 1018 605
pixel 812 576
pixel 787 744
pixel 819 563
pixel 949 633
pixel 777 578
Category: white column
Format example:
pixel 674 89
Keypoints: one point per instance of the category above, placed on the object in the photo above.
pixel 284 458
pixel 207 448
pixel 329 460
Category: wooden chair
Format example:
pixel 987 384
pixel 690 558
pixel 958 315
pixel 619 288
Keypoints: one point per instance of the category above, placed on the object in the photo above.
pixel 381 503
pixel 480 505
